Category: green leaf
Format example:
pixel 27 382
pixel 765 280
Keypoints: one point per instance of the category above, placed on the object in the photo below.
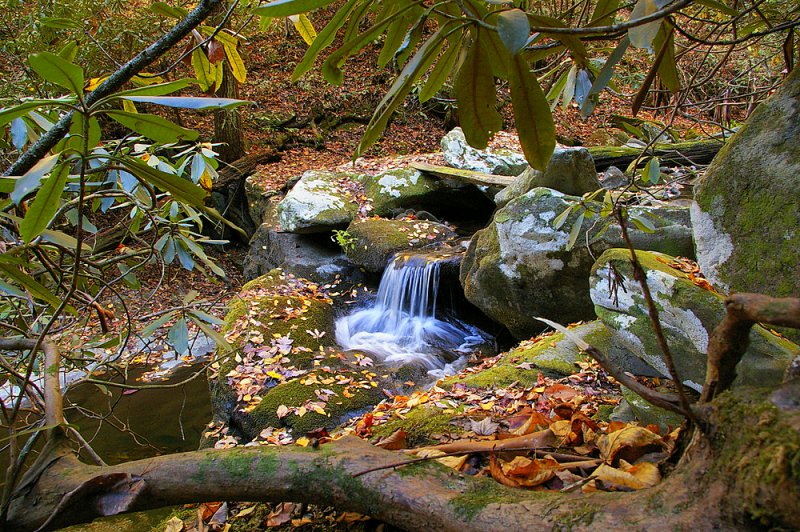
pixel 206 317
pixel 188 102
pixel 395 34
pixel 10 113
pixel 604 77
pixel 178 337
pixel 561 218
pixel 60 23
pixel 162 8
pixel 475 92
pixel 642 223
pixel 69 51
pixel 652 171
pixel 574 44
pixel 535 126
pixel 284 8
pixel 576 230
pixel 604 12
pixel 32 178
pixel 569 87
pixel 441 72
pixel 211 333
pixel 235 62
pixel 667 68
pixel 180 188
pixel 30 284
pixel 45 204
pixel 401 87
pixel 642 36
pixel 155 325
pixel 159 89
pixel 203 70
pixel 59 71
pixel 153 127
pixel 324 39
pixel 514 29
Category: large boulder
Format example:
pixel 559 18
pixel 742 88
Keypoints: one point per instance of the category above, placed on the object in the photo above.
pixel 459 154
pixel 371 242
pixel 319 202
pixel 570 170
pixel 262 197
pixel 313 256
pixel 688 314
pixel 746 214
pixel 520 266
pixel 396 190
pixel 285 371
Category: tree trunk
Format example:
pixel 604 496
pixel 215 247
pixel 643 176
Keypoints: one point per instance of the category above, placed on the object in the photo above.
pixel 698 152
pixel 743 474
pixel 228 123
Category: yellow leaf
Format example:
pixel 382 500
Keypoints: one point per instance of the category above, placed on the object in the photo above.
pixel 235 62
pixel 455 462
pixel 203 70
pixel 634 441
pixel 219 73
pixel 644 475
pixel 304 28
pixel 319 410
pixel 128 106
pixel 282 411
pixel 487 406
pixel 246 511
pixel 274 375
pixel 205 178
pixel 302 411
pixel 303 442
pixel 174 525
pixel 95 82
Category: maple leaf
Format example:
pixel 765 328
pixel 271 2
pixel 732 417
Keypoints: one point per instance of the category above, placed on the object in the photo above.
pixel 484 427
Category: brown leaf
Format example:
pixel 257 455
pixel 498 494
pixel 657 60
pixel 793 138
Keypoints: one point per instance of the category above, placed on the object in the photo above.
pixel 629 443
pixel 531 472
pixel 394 442
pixel 281 515
pixel 640 476
pixel 497 473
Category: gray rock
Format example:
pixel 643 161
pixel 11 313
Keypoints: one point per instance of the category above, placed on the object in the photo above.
pixel 688 314
pixel 399 189
pixel 746 215
pixel 459 154
pixel 314 257
pixel 649 414
pixel 570 170
pixel 318 203
pixel 374 241
pixel 519 266
pixel 261 199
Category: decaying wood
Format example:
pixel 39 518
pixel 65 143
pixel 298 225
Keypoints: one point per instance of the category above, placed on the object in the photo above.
pixel 467 176
pixel 698 152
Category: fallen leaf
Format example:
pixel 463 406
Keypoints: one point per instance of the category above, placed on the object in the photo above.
pixel 484 427
pixel 174 525
pixel 246 511
pixel 628 443
pixel 531 473
pixel 281 515
pixel 394 442
pixel 499 475
pixel 455 462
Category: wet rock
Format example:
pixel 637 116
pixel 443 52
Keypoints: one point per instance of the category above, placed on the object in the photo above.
pixel 313 256
pixel 319 202
pixel 570 170
pixel 746 213
pixel 459 154
pixel 520 265
pixel 688 314
pixel 371 242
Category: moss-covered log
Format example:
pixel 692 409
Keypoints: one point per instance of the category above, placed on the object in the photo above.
pixel 746 473
pixel 678 154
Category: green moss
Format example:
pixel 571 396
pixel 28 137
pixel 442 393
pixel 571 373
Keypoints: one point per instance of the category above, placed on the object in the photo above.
pixel 420 424
pixel 760 450
pixel 481 492
pixel 376 240
pixel 580 516
pixel 338 409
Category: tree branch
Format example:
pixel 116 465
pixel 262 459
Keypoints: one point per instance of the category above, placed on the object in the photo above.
pixel 114 82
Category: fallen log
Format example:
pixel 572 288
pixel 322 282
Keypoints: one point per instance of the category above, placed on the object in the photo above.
pixel 467 176
pixel 699 152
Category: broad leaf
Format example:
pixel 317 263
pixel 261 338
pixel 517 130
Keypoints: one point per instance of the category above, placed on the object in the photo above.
pixel 537 132
pixel 441 72
pixel 285 8
pixel 45 204
pixel 178 337
pixel 324 39
pixel 203 70
pixel 401 87
pixel 188 102
pixel 69 51
pixel 60 23
pixel 642 36
pixel 162 8
pixel 30 284
pixel 514 29
pixel 304 27
pixel 475 92
pixel 160 89
pixel 605 75
pixel 235 62
pixel 604 12
pixel 153 127
pixel 667 68
pixel 177 186
pixel 10 113
pixel 30 181
pixel 58 70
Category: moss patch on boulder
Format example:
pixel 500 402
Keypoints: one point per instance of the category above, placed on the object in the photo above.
pixel 375 240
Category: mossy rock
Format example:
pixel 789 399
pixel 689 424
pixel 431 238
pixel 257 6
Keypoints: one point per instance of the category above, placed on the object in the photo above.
pixel 422 425
pixel 459 154
pixel 520 266
pixel 262 199
pixel 688 314
pixel 746 213
pixel 649 414
pixel 319 202
pixel 375 240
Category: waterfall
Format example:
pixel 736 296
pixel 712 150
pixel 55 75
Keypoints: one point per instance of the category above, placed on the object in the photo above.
pixel 402 327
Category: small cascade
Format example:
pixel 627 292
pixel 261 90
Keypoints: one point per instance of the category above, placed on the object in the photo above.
pixel 402 326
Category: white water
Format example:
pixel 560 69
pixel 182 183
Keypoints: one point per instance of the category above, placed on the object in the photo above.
pixel 402 326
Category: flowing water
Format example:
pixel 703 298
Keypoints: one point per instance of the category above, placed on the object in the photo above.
pixel 405 325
